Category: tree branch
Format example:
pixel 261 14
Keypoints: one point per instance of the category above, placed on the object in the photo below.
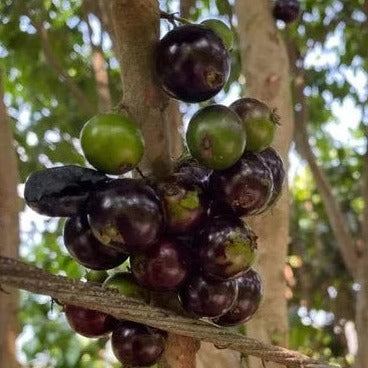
pixel 98 65
pixel 335 215
pixel 20 275
pixel 54 64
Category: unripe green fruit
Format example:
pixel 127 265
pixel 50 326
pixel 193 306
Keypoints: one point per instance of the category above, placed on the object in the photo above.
pixel 112 143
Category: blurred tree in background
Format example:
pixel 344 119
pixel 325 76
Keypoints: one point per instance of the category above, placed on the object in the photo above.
pixel 60 68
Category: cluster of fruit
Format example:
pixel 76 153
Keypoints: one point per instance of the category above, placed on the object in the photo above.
pixel 182 233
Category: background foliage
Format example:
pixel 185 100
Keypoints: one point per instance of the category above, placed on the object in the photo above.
pixel 47 118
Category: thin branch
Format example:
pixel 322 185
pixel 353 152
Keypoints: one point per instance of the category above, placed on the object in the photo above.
pixel 172 18
pixel 54 64
pixel 335 215
pixel 20 275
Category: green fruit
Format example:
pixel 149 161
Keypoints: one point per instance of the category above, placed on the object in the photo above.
pixel 222 30
pixel 112 143
pixel 97 276
pixel 215 137
pixel 125 283
pixel 259 123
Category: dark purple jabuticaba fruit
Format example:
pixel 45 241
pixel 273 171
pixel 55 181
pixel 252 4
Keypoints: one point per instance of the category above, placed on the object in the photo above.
pixel 184 203
pixel 83 246
pixel 137 345
pixel 88 322
pixel 226 247
pixel 125 214
pixel 192 63
pixel 163 267
pixel 286 10
pixel 207 298
pixel 197 173
pixel 61 191
pixel 274 162
pixel 245 187
pixel 250 292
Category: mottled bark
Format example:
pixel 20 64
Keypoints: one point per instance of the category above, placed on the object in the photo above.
pixel 9 235
pixel 135 25
pixel 69 291
pixel 266 70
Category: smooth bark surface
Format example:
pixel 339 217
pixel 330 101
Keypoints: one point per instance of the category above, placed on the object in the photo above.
pixel 136 32
pixel 266 70
pixel 9 228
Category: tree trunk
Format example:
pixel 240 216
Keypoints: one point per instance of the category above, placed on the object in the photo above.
pixel 9 235
pixel 266 69
pixel 136 28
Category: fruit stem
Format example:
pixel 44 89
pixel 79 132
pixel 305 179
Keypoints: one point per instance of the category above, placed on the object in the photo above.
pixel 172 18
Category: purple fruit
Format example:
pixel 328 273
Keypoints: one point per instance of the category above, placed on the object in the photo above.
pixel 163 267
pixel 245 187
pixel 250 292
pixel 286 10
pixel 274 162
pixel 184 203
pixel 88 322
pixel 199 174
pixel 86 249
pixel 208 298
pixel 192 63
pixel 126 214
pixel 137 345
pixel 226 247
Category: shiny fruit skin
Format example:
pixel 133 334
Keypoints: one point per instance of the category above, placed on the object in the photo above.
pixel 200 175
pixel 215 137
pixel 286 10
pixel 207 298
pixel 192 63
pixel 258 121
pixel 125 214
pixel 83 246
pixel 163 267
pixel 222 30
pixel 226 247
pixel 274 162
pixel 246 187
pixel 112 143
pixel 247 302
pixel 185 204
pixel 137 345
pixel 126 284
pixel 88 322
pixel 61 191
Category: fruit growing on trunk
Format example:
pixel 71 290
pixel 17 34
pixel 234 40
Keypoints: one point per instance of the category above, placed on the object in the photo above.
pixel 163 267
pixel 274 162
pixel 250 291
pixel 83 246
pixel 246 187
pixel 258 121
pixel 192 63
pixel 215 137
pixel 61 191
pixel 126 284
pixel 207 298
pixel 184 203
pixel 112 143
pixel 226 247
pixel 125 214
pixel 88 322
pixel 286 10
pixel 137 345
pixel 199 174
